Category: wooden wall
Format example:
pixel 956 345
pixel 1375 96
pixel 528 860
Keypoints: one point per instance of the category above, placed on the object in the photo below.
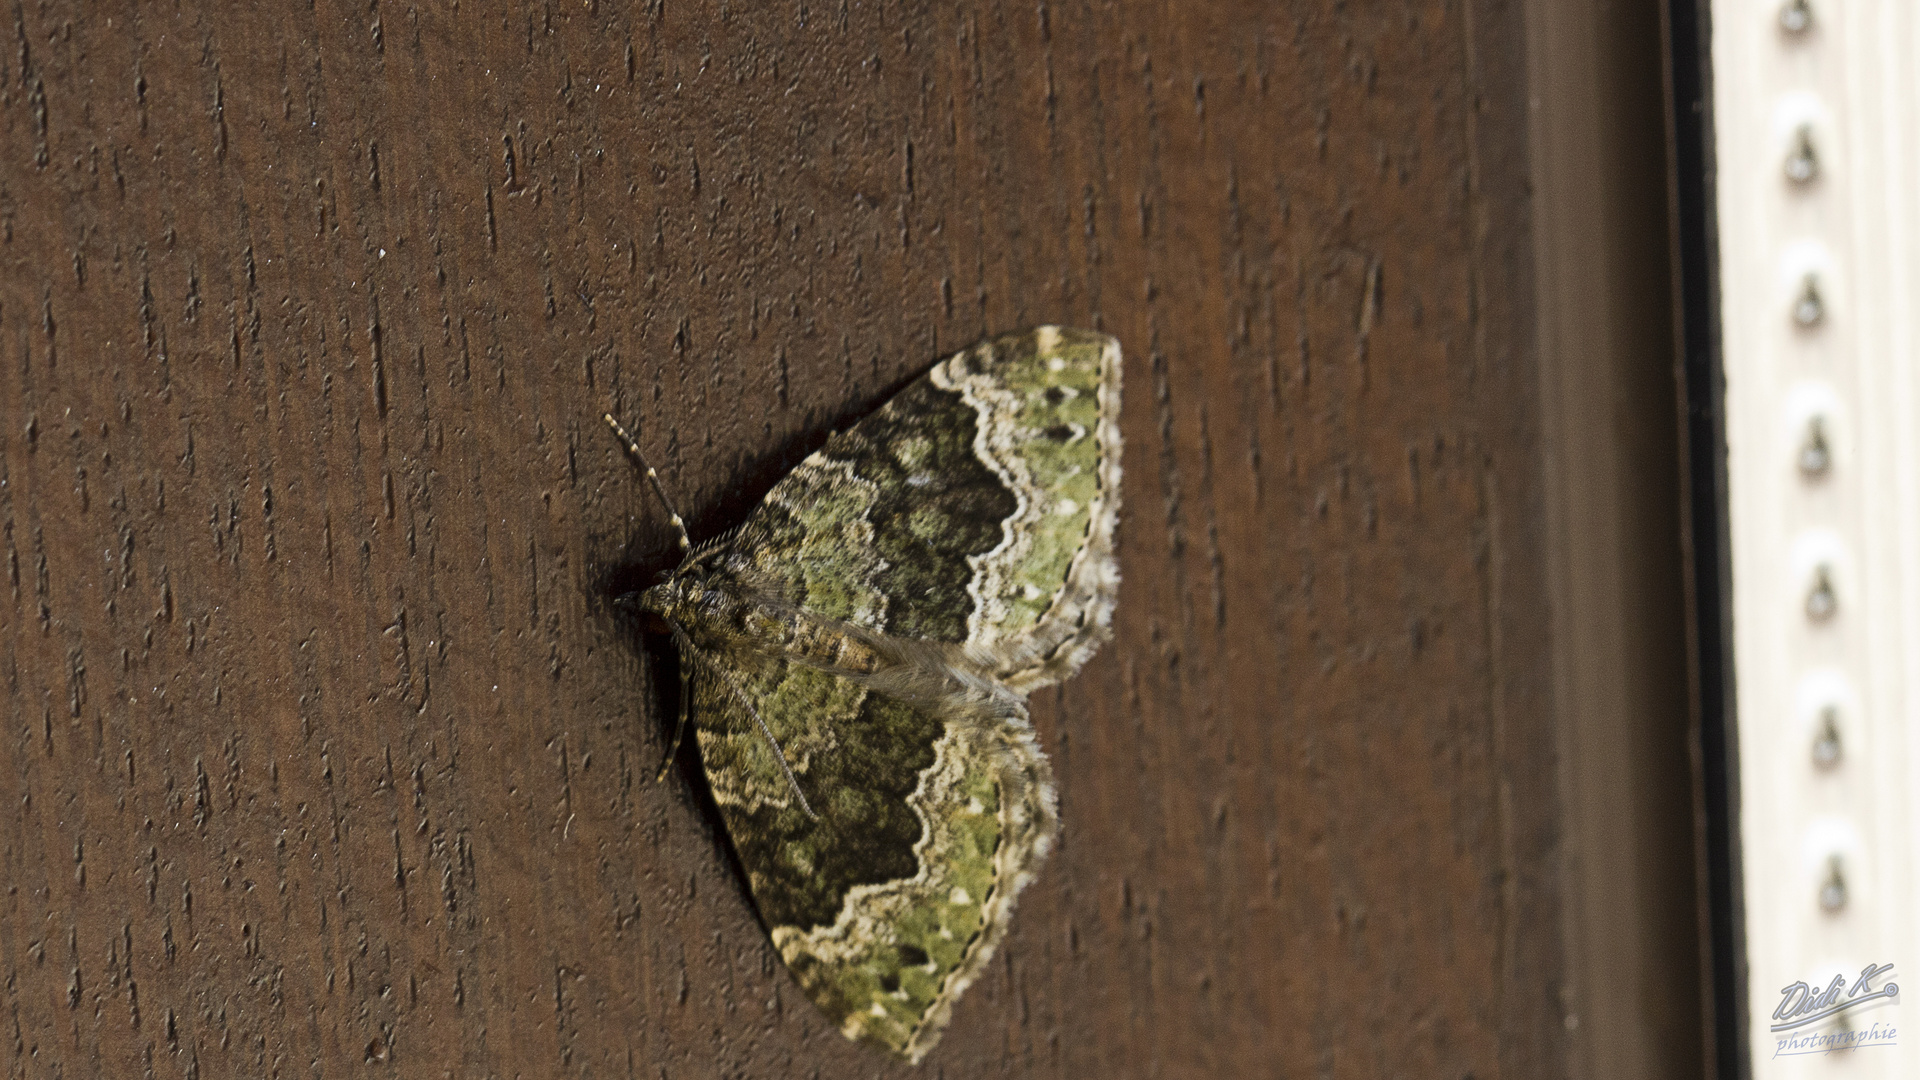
pixel 323 749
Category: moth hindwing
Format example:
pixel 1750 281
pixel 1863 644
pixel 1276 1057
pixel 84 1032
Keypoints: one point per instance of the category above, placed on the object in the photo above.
pixel 860 651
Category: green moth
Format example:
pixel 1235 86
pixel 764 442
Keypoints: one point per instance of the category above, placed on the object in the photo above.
pixel 856 657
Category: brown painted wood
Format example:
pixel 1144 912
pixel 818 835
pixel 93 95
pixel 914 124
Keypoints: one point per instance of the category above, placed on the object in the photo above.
pixel 1608 399
pixel 323 745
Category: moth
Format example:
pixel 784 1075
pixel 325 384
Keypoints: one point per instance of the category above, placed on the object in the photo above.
pixel 856 656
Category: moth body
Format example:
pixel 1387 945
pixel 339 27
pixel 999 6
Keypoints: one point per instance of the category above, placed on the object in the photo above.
pixel 721 618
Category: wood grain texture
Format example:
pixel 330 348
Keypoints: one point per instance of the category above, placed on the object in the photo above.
pixel 324 748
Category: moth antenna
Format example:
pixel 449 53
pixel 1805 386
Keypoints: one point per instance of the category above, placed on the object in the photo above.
pixel 779 755
pixel 653 478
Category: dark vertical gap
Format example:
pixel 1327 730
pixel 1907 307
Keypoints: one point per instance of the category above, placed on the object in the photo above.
pixel 1702 380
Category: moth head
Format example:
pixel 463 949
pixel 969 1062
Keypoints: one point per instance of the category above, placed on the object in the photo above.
pixel 676 597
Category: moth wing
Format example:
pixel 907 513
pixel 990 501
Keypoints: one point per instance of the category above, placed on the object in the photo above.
pixel 976 507
pixel 930 821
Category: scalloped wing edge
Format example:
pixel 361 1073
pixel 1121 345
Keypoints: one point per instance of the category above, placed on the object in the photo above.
pixel 1080 617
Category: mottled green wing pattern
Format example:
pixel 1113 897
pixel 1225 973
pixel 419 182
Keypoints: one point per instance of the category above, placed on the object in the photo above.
pixel 888 904
pixel 977 506
pixel 884 612
pixel 1047 408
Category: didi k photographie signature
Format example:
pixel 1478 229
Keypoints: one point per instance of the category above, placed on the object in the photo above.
pixel 1798 1026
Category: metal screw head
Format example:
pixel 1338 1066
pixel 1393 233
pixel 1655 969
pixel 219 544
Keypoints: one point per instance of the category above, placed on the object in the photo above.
pixel 1826 745
pixel 1815 456
pixel 1796 16
pixel 1833 892
pixel 1821 601
pixel 1808 309
pixel 1803 164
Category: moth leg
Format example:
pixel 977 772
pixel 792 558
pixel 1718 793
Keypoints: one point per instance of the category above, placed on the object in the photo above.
pixel 679 729
pixel 779 755
pixel 688 650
